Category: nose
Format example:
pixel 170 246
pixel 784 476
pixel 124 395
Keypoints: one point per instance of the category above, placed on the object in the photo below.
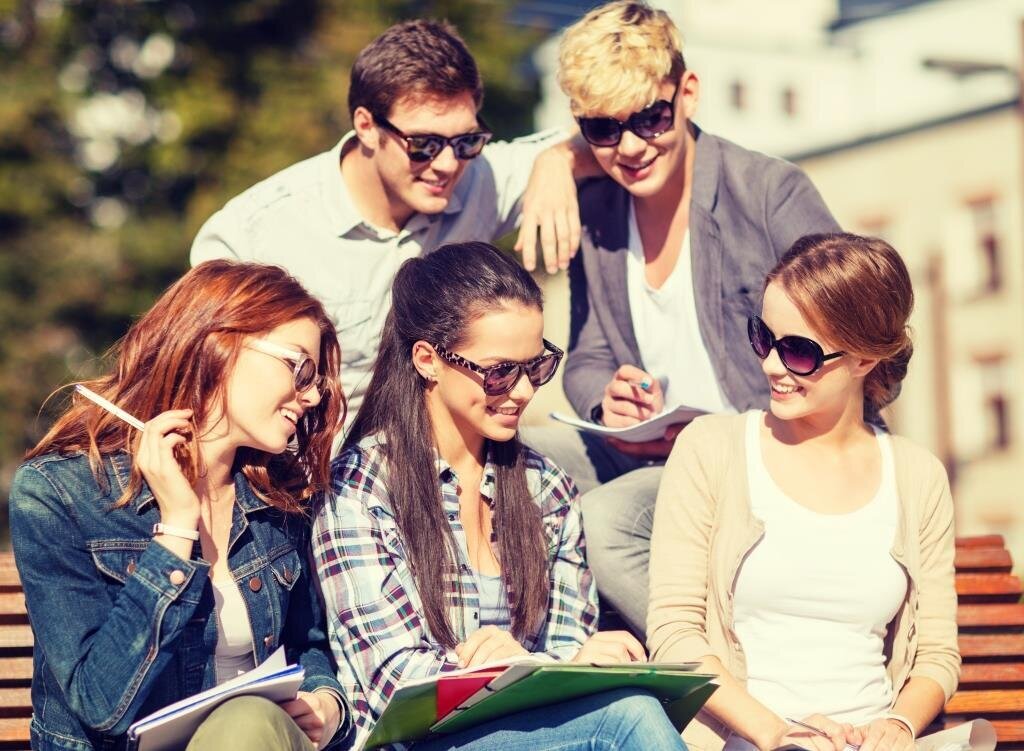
pixel 445 161
pixel 523 391
pixel 631 145
pixel 311 397
pixel 772 365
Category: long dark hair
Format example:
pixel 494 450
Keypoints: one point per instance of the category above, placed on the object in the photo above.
pixel 434 299
pixel 179 355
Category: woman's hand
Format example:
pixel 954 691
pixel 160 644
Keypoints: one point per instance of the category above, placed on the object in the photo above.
pixel 487 644
pixel 885 735
pixel 179 505
pixel 611 647
pixel 625 403
pixel 839 734
pixel 316 713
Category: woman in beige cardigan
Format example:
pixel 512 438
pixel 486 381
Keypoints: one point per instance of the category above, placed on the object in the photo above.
pixel 803 554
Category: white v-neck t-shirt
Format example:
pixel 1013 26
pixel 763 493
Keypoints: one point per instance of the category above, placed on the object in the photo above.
pixel 813 599
pixel 667 332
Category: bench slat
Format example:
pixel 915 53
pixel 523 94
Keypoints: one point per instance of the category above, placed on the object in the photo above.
pixel 976 616
pixel 989 559
pixel 14 732
pixel 15 638
pixel 988 584
pixel 1007 646
pixel 984 702
pixel 976 673
pixel 15 702
pixel 981 541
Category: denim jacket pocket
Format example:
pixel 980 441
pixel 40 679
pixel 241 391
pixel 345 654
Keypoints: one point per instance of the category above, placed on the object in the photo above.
pixel 117 559
pixel 287 567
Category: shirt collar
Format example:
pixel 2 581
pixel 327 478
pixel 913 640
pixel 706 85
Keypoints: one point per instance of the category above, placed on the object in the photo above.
pixel 445 473
pixel 342 209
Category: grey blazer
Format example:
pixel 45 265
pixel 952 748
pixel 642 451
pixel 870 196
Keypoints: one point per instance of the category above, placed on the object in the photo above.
pixel 746 209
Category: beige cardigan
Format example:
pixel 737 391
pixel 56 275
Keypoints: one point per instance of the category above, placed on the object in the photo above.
pixel 703 528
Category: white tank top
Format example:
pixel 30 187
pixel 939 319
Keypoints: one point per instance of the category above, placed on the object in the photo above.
pixel 233 655
pixel 813 598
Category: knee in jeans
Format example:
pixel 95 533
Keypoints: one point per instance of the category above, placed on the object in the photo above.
pixel 633 703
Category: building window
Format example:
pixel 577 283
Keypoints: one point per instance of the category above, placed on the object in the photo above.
pixel 789 101
pixel 738 95
pixel 987 246
pixel 995 404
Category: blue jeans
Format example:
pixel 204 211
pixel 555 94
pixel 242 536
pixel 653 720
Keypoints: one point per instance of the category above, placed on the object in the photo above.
pixel 623 720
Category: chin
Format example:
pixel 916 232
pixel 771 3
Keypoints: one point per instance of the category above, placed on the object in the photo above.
pixel 499 434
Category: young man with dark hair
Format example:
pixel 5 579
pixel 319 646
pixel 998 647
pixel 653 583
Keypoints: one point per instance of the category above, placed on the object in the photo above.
pixel 416 172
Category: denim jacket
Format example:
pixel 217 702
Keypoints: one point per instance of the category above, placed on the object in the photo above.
pixel 123 626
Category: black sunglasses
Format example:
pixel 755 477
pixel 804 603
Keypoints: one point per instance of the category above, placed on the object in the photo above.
pixel 501 378
pixel 426 147
pixel 799 355
pixel 648 123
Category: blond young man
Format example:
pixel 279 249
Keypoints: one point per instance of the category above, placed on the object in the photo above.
pixel 678 236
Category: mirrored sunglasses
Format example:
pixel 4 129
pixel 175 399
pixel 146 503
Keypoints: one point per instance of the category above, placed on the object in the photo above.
pixel 426 147
pixel 799 355
pixel 648 123
pixel 501 378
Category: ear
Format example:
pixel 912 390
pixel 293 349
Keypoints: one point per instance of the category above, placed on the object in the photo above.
pixel 366 129
pixel 861 366
pixel 425 360
pixel 689 94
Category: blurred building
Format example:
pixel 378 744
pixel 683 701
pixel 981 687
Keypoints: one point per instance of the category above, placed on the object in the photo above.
pixel 906 116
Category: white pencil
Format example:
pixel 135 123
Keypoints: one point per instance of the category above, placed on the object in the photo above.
pixel 109 406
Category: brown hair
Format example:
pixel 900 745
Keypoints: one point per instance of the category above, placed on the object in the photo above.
pixel 421 57
pixel 178 356
pixel 856 292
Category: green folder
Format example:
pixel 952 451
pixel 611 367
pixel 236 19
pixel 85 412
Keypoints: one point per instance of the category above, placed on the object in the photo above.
pixel 683 693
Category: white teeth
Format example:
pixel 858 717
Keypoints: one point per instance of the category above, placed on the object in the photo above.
pixel 640 166
pixel 290 416
pixel 780 389
pixel 509 411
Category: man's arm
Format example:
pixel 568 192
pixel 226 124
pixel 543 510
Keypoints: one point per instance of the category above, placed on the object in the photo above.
pixel 794 208
pixel 590 364
pixel 221 236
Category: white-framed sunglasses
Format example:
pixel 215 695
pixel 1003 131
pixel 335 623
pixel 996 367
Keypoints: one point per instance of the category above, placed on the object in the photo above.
pixel 304 372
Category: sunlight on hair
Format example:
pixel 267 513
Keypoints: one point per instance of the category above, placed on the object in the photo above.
pixel 614 58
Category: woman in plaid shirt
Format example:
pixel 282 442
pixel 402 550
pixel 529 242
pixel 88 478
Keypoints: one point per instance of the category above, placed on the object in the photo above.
pixel 446 543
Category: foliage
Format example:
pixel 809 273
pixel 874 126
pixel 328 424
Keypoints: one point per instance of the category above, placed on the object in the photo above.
pixel 126 124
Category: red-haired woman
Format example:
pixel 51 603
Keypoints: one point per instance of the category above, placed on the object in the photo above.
pixel 158 563
pixel 803 554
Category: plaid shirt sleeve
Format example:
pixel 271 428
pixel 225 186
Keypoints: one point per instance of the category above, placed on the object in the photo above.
pixel 572 609
pixel 377 634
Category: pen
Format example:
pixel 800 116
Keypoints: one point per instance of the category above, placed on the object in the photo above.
pixel 109 406
pixel 644 384
pixel 817 731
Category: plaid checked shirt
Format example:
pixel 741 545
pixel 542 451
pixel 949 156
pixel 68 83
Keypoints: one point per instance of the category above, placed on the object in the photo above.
pixel 377 633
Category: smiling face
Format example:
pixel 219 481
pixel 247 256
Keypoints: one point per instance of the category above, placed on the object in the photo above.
pixel 839 384
pixel 263 406
pixel 423 187
pixel 643 167
pixel 459 409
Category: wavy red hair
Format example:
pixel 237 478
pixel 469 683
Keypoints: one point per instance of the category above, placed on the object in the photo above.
pixel 179 355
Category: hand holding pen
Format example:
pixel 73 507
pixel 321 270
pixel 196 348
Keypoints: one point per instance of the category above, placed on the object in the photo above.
pixel 834 736
pixel 155 458
pixel 633 395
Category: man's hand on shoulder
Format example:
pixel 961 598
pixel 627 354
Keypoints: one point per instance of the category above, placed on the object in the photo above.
pixel 550 211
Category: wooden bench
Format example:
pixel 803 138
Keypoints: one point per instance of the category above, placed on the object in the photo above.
pixel 990 616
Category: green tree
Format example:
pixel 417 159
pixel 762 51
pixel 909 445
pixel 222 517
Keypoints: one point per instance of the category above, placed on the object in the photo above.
pixel 125 125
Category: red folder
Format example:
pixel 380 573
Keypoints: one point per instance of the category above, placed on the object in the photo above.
pixel 455 689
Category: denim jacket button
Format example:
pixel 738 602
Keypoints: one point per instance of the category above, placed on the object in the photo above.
pixel 287 575
pixel 268 642
pixel 130 568
pixel 255 584
pixel 176 577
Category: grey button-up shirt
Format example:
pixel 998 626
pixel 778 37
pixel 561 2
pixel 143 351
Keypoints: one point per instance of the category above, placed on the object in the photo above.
pixel 304 220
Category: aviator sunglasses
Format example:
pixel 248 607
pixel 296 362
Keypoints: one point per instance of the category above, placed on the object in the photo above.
pixel 501 378
pixel 648 123
pixel 425 147
pixel 799 355
pixel 304 374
